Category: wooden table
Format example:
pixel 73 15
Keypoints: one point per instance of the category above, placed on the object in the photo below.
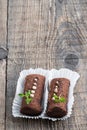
pixel 47 34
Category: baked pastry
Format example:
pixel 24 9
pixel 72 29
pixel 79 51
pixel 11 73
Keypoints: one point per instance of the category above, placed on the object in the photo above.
pixel 58 97
pixel 33 94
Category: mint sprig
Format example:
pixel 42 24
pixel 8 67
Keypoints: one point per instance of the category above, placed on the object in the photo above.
pixel 58 99
pixel 28 99
pixel 21 94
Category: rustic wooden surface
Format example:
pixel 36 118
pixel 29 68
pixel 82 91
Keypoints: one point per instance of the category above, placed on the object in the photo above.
pixel 47 34
pixel 3 53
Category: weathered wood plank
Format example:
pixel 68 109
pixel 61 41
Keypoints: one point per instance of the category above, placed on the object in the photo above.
pixel 47 34
pixel 3 54
pixel 2 93
pixel 3 24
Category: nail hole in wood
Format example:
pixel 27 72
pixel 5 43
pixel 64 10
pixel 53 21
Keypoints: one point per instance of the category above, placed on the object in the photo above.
pixel 3 53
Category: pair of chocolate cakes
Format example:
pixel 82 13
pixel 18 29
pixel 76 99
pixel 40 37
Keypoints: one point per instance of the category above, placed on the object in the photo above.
pixel 33 96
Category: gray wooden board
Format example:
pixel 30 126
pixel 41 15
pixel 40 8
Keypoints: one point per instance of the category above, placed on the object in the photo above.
pixel 47 34
pixel 2 93
pixel 3 54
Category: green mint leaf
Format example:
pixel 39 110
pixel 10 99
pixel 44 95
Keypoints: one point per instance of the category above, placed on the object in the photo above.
pixel 26 94
pixel 21 94
pixel 55 96
pixel 28 100
pixel 62 99
pixel 29 92
pixel 56 100
pixel 59 100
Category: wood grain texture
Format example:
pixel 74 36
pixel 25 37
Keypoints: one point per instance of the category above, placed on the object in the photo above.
pixel 43 34
pixel 3 24
pixel 2 93
pixel 3 34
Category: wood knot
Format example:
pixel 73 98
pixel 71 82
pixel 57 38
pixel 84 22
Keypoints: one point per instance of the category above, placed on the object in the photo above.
pixel 60 1
pixel 71 61
pixel 3 53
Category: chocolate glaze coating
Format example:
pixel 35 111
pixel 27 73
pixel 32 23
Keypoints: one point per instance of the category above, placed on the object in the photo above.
pixel 58 110
pixel 34 108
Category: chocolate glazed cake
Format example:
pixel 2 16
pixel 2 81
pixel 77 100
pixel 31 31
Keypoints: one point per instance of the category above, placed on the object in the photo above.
pixel 34 86
pixel 58 97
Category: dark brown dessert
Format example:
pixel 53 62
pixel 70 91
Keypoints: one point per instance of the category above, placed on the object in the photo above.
pixel 33 91
pixel 58 97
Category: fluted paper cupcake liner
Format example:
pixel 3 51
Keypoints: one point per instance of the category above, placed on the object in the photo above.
pixel 73 77
pixel 49 75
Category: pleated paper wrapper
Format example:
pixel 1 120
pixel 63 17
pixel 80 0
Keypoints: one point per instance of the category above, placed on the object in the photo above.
pixel 49 75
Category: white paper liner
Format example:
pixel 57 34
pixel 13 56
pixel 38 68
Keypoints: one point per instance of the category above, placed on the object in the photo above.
pixel 20 88
pixel 62 73
pixel 73 77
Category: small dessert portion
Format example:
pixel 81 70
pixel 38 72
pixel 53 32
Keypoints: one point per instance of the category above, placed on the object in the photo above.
pixel 58 97
pixel 33 94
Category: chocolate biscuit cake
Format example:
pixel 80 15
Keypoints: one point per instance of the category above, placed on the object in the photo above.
pixel 58 97
pixel 33 94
